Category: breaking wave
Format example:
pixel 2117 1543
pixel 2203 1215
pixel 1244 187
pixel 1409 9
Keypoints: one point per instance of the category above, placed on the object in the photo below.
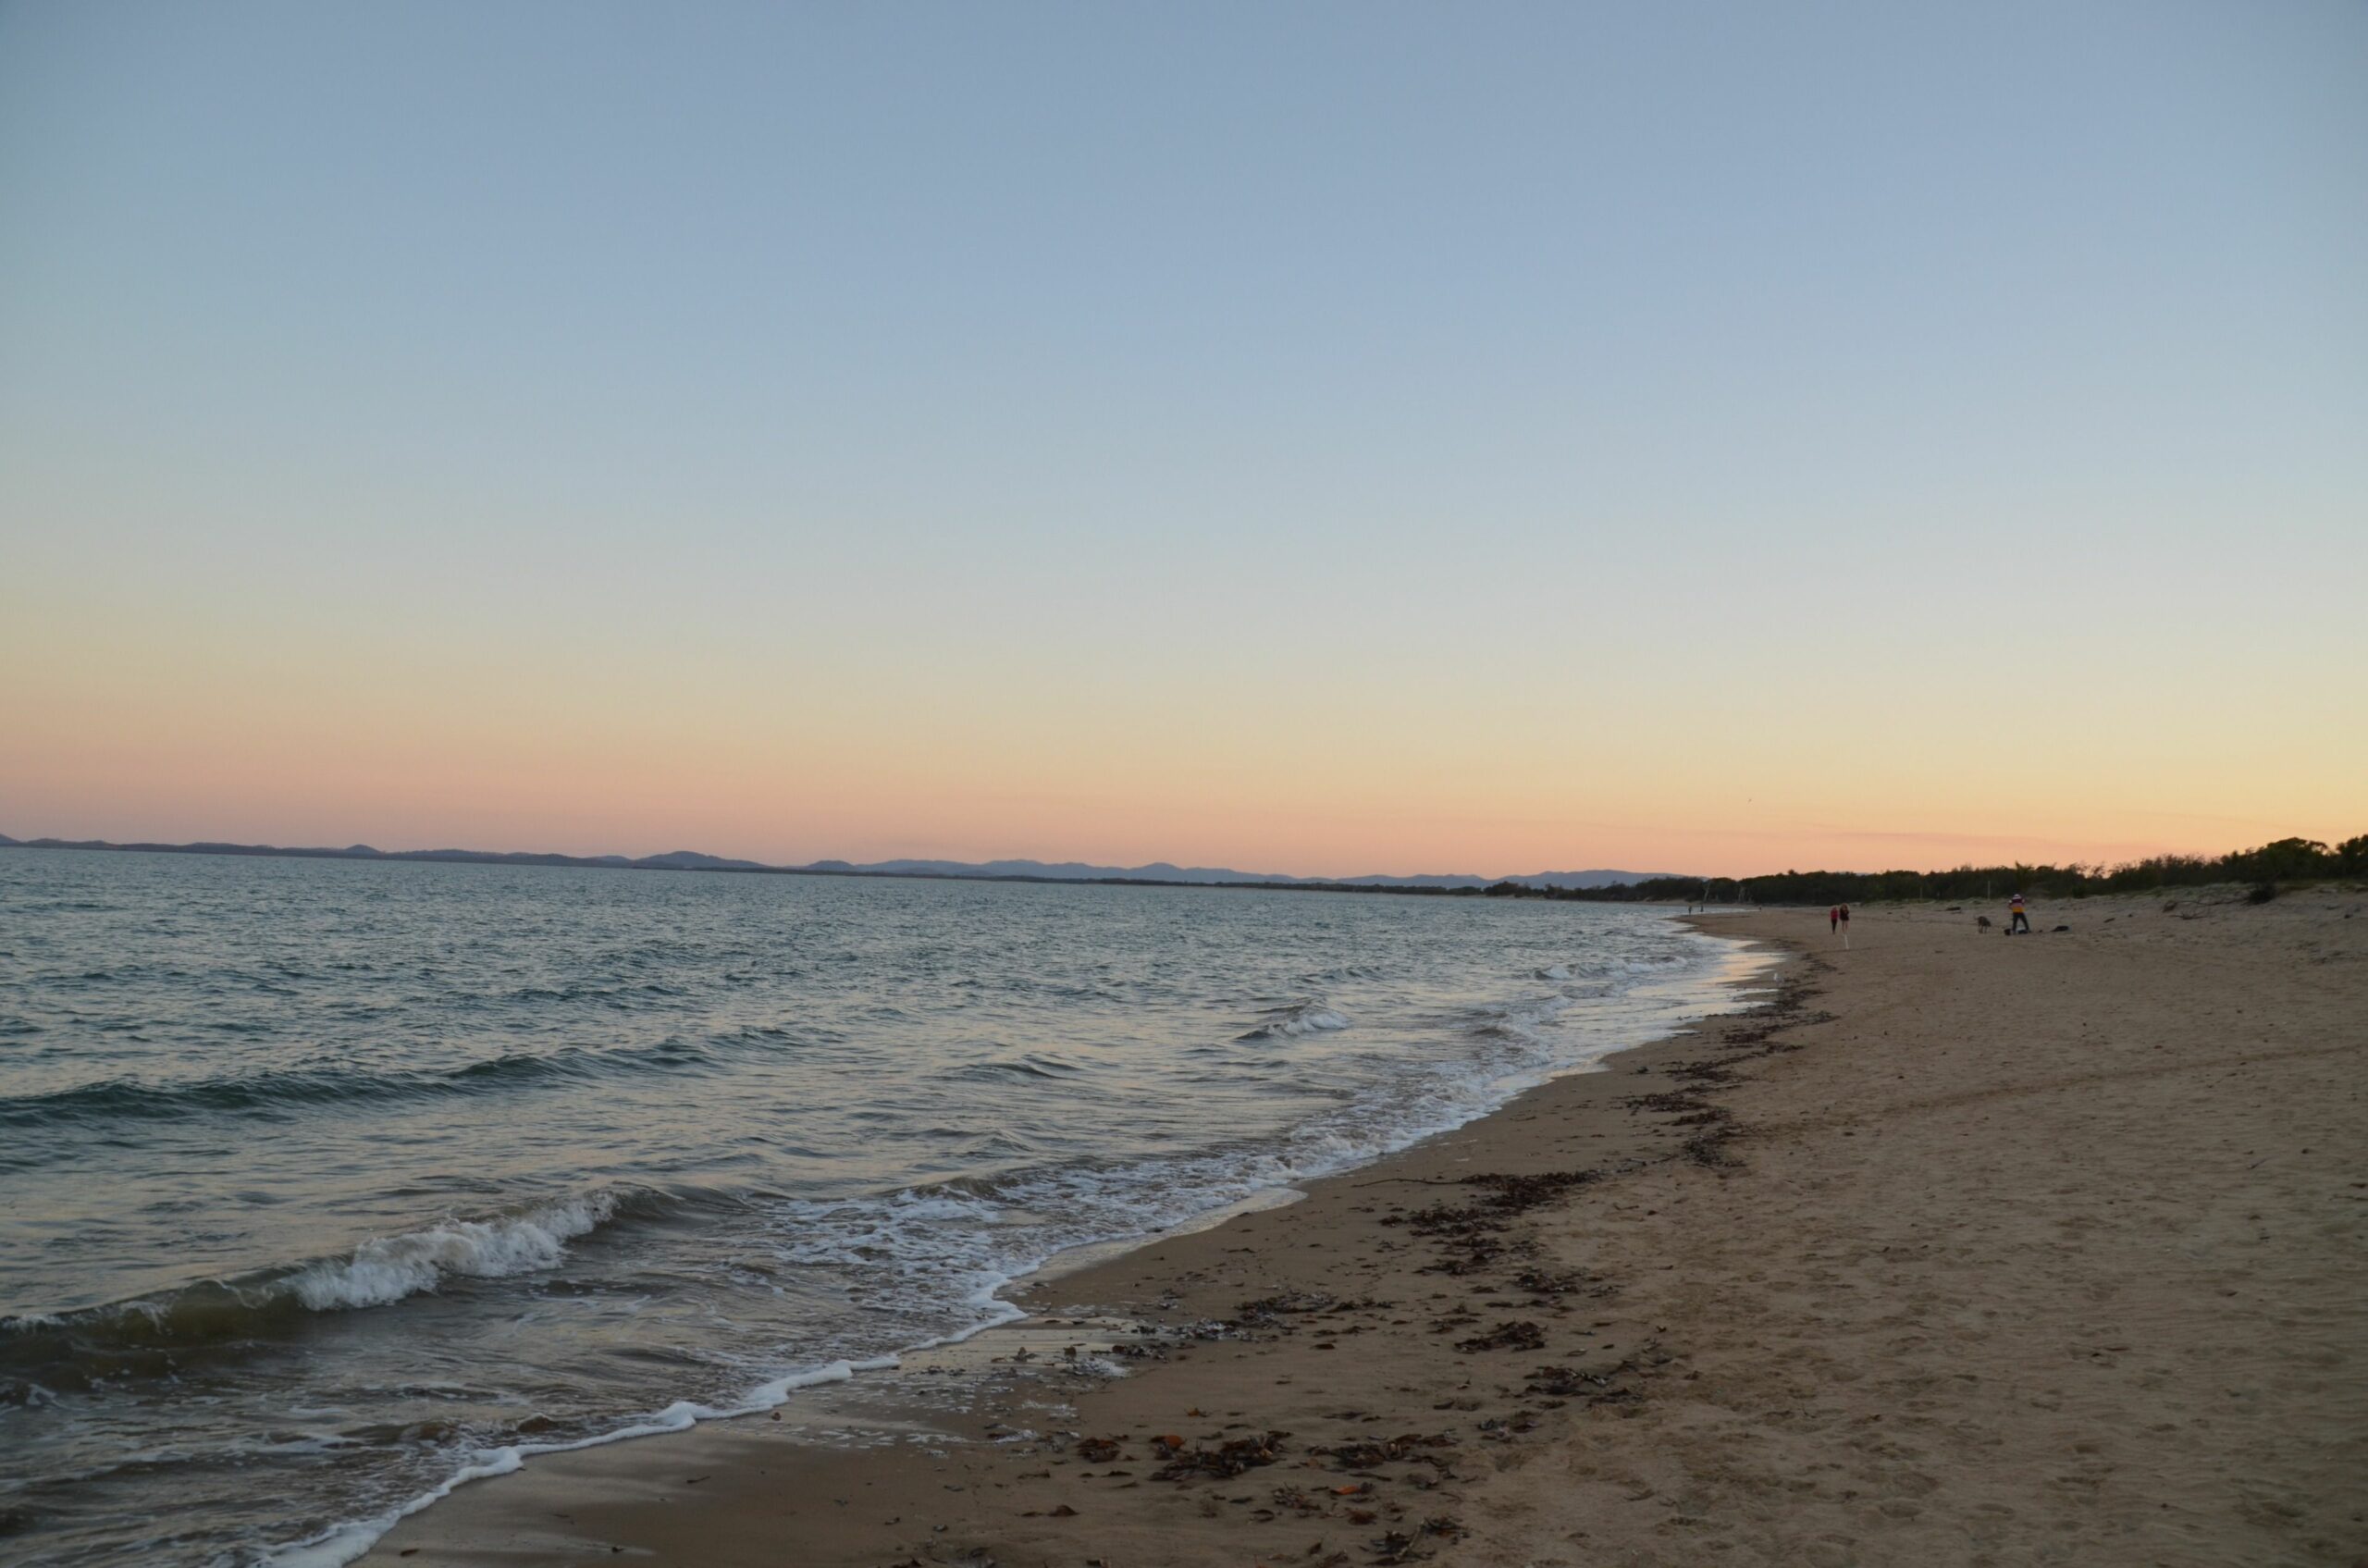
pixel 385 1270
pixel 149 1337
pixel 751 1132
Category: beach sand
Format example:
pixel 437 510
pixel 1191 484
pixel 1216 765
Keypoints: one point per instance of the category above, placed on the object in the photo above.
pixel 1962 1250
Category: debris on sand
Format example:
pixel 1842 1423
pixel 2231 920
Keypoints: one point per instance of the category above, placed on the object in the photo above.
pixel 1704 1072
pixel 1574 1383
pixel 1508 1195
pixel 1224 1460
pixel 1268 1311
pixel 1545 1286
pixel 1709 1150
pixel 1471 1234
pixel 1521 1336
pixel 1366 1455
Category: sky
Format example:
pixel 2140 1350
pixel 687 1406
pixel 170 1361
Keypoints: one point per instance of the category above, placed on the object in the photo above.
pixel 1325 438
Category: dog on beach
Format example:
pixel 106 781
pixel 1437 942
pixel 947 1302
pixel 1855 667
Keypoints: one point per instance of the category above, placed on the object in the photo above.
pixel 1981 920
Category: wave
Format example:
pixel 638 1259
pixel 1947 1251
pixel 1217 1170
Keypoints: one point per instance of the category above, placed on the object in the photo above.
pixel 1031 1066
pixel 151 1337
pixel 964 1240
pixel 1522 1021
pixel 615 995
pixel 387 1270
pixel 287 1090
pixel 1302 1017
pixel 976 1233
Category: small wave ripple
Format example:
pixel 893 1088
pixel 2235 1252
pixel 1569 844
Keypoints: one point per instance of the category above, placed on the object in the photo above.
pixel 1300 1018
pixel 292 1091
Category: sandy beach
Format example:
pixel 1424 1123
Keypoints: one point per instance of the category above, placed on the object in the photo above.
pixel 1959 1250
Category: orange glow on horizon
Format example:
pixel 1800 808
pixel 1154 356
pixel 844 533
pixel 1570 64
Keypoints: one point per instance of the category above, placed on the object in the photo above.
pixel 159 764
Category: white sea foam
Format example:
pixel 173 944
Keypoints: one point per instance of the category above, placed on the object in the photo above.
pixel 387 1268
pixel 971 1243
pixel 1525 1020
pixel 960 1246
pixel 342 1544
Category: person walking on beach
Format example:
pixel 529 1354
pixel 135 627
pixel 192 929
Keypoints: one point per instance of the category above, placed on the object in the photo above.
pixel 2019 918
pixel 1842 918
pixel 1834 919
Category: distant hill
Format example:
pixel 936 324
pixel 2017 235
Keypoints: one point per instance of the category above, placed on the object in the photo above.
pixel 1534 879
pixel 1044 870
pixel 1028 871
pixel 673 860
pixel 692 860
pixel 1162 870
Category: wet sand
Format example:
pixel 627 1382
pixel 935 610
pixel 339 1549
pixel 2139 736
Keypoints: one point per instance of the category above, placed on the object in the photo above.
pixel 1965 1249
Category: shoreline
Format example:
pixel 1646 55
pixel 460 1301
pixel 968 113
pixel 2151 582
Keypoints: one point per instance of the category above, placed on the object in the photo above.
pixel 1642 1313
pixel 836 1405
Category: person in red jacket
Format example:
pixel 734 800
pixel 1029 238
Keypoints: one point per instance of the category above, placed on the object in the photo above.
pixel 1834 918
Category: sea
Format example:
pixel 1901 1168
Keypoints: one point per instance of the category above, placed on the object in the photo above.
pixel 324 1183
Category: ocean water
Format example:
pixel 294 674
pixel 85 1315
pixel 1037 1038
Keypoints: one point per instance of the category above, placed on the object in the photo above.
pixel 322 1182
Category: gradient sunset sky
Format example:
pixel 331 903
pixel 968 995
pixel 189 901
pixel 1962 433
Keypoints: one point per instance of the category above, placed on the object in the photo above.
pixel 1323 438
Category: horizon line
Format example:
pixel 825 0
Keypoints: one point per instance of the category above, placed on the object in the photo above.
pixel 1018 868
pixel 920 867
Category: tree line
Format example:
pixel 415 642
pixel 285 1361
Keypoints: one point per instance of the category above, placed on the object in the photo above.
pixel 2286 861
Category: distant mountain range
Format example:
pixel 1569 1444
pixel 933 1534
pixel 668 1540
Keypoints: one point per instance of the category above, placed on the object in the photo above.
pixel 993 870
pixel 1161 871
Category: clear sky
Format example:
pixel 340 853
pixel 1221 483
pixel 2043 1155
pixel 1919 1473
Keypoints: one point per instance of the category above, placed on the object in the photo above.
pixel 1310 437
